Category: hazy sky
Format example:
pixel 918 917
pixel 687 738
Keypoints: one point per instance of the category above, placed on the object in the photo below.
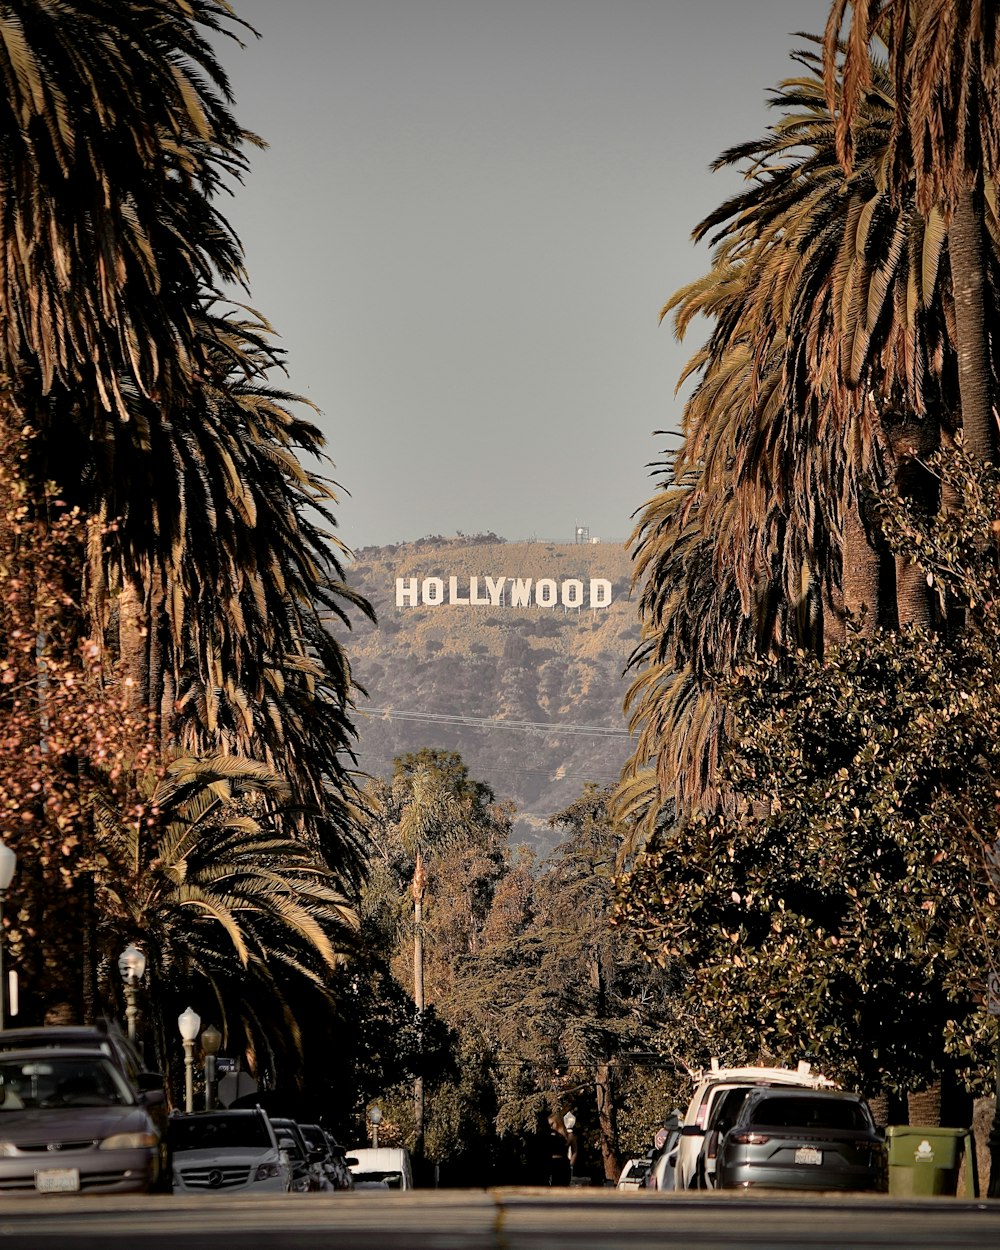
pixel 464 228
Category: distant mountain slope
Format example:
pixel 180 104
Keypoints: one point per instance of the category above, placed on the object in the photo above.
pixel 530 696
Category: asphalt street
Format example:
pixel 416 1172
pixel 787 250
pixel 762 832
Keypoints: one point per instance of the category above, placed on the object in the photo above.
pixel 497 1220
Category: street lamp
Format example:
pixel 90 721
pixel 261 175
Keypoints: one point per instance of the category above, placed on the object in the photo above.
pixel 375 1115
pixel 132 965
pixel 211 1040
pixel 8 862
pixel 189 1022
pixel 569 1123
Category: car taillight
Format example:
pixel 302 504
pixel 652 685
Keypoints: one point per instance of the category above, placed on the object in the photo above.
pixel 749 1139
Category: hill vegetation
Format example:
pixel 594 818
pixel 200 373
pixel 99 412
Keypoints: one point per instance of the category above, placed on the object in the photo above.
pixel 530 697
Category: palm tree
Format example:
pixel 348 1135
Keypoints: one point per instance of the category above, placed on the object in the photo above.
pixel 215 573
pixel 828 366
pixel 194 871
pixel 944 60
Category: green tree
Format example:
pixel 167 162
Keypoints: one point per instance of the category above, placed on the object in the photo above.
pixel 843 907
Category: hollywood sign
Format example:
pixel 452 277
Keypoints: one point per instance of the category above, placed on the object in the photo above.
pixel 496 592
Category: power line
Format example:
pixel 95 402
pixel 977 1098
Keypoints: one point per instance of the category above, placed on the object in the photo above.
pixel 454 719
pixel 525 772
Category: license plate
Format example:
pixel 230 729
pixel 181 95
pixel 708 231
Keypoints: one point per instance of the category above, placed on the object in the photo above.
pixel 808 1154
pixel 58 1181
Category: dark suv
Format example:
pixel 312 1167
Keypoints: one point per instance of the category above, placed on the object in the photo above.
pixel 801 1139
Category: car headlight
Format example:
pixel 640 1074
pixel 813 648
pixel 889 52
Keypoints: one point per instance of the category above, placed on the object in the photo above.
pixel 267 1170
pixel 129 1141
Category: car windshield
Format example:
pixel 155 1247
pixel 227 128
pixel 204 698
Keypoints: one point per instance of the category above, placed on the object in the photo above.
pixel 219 1132
pixel 810 1113
pixel 61 1081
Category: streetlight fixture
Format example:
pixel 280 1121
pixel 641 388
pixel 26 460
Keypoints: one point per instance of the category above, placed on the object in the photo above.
pixel 8 863
pixel 211 1040
pixel 569 1123
pixel 189 1022
pixel 132 966
pixel 375 1115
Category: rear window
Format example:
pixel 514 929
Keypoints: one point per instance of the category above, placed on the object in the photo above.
pixel 219 1132
pixel 810 1113
pixel 393 1179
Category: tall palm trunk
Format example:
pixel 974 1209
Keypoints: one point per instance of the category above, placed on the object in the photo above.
pixel 132 644
pixel 924 1105
pixel 861 571
pixel 965 243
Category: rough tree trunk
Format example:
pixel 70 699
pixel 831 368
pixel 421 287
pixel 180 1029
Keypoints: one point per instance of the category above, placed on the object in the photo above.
pixel 965 249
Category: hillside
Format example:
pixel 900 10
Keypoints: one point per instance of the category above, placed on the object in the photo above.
pixel 531 696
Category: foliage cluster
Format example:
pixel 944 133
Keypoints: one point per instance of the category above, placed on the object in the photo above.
pixel 546 1007
pixel 844 907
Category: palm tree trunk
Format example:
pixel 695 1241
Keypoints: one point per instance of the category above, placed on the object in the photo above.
pixel 965 244
pixel 924 1106
pixel 132 644
pixel 862 569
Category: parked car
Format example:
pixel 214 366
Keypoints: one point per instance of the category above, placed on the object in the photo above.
pixel 385 1167
pixel 70 1122
pixel 303 1159
pixel 725 1108
pixel 332 1163
pixel 802 1139
pixel 633 1174
pixel 663 1168
pixel 689 1167
pixel 106 1038
pixel 227 1151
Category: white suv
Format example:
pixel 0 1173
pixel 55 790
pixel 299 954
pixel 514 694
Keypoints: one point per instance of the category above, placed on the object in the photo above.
pixel 227 1152
pixel 690 1167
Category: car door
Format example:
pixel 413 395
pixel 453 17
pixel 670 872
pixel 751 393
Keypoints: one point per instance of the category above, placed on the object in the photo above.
pixel 721 1119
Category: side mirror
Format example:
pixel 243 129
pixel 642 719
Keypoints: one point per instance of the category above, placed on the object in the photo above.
pixel 351 1161
pixel 316 1154
pixel 692 1130
pixel 152 1097
pixel 149 1082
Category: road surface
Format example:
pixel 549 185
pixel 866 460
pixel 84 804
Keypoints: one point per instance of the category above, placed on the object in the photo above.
pixel 499 1219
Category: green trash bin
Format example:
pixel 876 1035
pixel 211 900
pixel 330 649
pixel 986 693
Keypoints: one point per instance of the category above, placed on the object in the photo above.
pixel 926 1160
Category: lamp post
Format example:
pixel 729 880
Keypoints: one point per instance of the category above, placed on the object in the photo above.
pixel 569 1123
pixel 375 1115
pixel 211 1040
pixel 189 1022
pixel 8 862
pixel 132 966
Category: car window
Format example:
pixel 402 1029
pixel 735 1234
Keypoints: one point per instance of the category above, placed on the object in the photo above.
pixel 221 1132
pixel 314 1137
pixel 811 1113
pixel 58 1081
pixel 393 1179
pixel 727 1108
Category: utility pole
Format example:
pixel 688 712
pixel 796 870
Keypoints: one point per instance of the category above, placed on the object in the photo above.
pixel 419 887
